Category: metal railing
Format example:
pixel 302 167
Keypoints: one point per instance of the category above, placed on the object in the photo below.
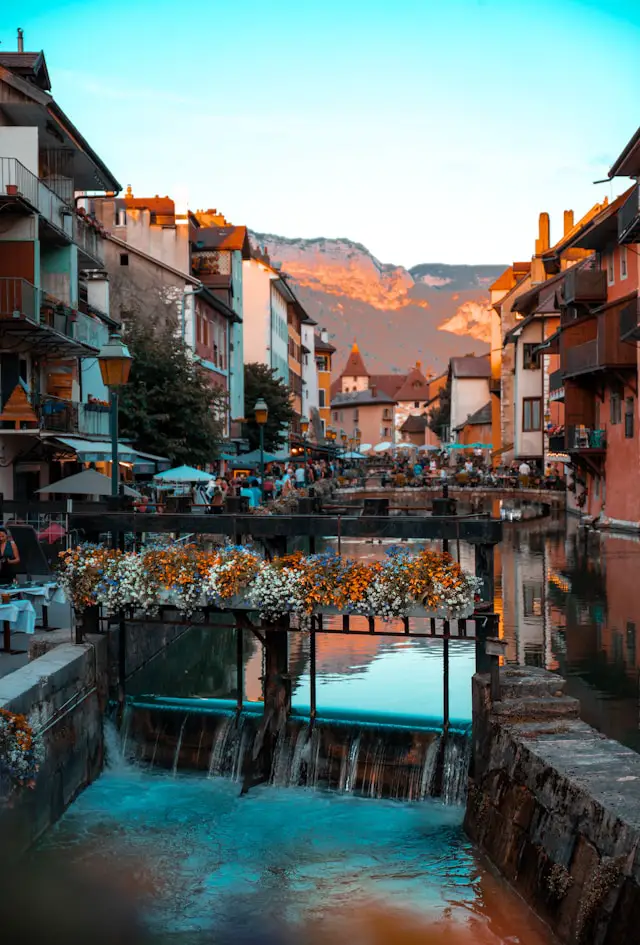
pixel 90 331
pixel 57 415
pixel 586 438
pixel 88 239
pixel 18 299
pixel 556 380
pixel 17 181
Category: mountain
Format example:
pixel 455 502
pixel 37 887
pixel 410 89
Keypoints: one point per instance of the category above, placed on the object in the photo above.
pixel 398 316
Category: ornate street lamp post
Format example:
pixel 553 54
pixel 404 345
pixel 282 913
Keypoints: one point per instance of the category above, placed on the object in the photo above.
pixel 304 429
pixel 261 413
pixel 115 364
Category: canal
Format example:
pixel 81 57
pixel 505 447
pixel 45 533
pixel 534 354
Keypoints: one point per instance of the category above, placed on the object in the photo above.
pixel 200 858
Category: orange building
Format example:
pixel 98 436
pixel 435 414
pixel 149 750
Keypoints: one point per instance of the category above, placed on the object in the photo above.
pixel 324 352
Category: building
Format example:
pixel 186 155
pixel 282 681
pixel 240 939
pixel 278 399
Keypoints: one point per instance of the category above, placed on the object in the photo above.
pixel 469 380
pixel 476 428
pixel 414 429
pixel 410 398
pixel 324 352
pixel 597 346
pixel 148 257
pixel 310 396
pixel 436 386
pixel 54 292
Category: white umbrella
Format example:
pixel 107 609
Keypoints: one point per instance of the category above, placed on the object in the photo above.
pixel 383 447
pixel 405 446
pixel 183 474
pixel 351 455
pixel 88 482
pixel 365 447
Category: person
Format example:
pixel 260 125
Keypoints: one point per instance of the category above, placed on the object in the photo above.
pixel 468 467
pixel 217 501
pixel 300 476
pixel 9 555
pixel 524 471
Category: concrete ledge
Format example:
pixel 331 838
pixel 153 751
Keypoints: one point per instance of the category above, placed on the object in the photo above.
pixel 556 806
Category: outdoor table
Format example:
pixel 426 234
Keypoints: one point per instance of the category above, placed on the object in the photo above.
pixel 15 615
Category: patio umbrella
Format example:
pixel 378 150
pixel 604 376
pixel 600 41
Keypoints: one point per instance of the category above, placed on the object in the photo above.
pixel 429 449
pixel 88 482
pixel 383 447
pixel 365 447
pixel 246 460
pixel 481 446
pixel 182 474
pixel 404 446
pixel 352 455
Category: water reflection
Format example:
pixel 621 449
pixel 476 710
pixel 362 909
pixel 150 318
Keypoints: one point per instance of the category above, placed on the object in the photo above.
pixel 566 604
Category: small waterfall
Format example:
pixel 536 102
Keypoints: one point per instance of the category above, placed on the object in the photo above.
pixel 176 757
pixel 113 753
pixel 457 753
pixel 375 762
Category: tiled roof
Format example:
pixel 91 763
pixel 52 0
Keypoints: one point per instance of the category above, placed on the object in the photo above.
pixel 321 345
pixel 470 366
pixel 415 424
pixel 415 386
pixel 360 398
pixel 355 365
pixel 224 238
pixel 27 65
pixel 481 417
pixel 389 383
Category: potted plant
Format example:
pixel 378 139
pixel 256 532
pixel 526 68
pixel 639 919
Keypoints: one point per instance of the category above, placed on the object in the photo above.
pixel 12 190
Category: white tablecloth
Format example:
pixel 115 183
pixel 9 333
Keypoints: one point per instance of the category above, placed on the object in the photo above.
pixel 21 615
pixel 20 612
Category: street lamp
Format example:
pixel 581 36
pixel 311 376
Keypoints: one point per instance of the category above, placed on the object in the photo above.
pixel 115 364
pixel 261 414
pixel 345 440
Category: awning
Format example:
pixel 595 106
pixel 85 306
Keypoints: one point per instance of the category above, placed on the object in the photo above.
pixel 96 451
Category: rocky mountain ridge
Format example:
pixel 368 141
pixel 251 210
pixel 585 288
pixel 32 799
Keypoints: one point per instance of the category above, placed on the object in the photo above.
pixel 429 312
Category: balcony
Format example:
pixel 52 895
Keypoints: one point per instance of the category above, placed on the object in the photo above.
pixel 586 439
pixel 556 385
pixel 48 326
pixel 629 218
pixel 606 352
pixel 89 241
pixel 557 443
pixel 585 287
pixel 22 189
pixel 56 415
pixel 630 321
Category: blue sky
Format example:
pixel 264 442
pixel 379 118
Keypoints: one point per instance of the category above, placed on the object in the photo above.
pixel 429 130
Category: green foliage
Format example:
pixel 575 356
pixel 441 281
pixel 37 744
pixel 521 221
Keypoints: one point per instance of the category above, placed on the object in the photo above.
pixel 261 381
pixel 168 407
pixel 440 415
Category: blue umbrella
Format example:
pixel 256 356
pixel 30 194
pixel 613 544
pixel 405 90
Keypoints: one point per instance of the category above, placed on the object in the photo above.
pixel 183 474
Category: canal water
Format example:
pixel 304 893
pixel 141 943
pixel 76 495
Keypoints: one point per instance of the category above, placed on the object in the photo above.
pixel 202 856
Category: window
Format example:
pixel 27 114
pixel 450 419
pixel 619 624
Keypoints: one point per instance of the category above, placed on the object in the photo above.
pixel 615 407
pixel 322 398
pixel 532 599
pixel 530 357
pixel 124 259
pixel 611 275
pixel 356 415
pixel 386 414
pixel 386 431
pixel 531 414
pixel 623 262
pixel 628 417
pixel 416 403
pixel 321 362
pixel 335 415
pixel 323 426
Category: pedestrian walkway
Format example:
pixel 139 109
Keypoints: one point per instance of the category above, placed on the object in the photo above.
pixel 31 643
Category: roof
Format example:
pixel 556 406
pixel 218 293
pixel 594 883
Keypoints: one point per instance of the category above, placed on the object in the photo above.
pixel 29 65
pixel 415 423
pixel 510 276
pixel 529 300
pixel 470 366
pixel 321 345
pixel 603 228
pixel 415 386
pixel 481 417
pixel 355 365
pixel 389 383
pixel 628 162
pixel 361 398
pixel 228 238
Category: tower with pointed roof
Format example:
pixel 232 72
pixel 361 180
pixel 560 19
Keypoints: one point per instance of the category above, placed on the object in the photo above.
pixel 355 376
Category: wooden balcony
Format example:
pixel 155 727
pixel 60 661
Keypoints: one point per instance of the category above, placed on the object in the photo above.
pixel 606 352
pixel 629 218
pixel 56 415
pixel 45 324
pixel 585 287
pixel 630 321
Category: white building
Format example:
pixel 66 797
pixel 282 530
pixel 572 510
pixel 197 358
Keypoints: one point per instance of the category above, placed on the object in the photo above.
pixel 310 395
pixel 264 304
pixel 469 388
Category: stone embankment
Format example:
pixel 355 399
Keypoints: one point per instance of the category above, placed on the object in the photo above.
pixel 556 806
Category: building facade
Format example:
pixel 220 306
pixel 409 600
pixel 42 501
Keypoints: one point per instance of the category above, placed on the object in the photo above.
pixel 54 293
pixel 324 352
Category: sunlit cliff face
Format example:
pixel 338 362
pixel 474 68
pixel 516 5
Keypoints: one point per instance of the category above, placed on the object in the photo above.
pixel 429 312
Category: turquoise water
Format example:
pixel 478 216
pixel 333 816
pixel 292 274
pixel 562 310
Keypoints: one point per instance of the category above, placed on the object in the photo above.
pixel 199 857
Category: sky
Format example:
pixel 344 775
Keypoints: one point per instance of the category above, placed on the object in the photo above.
pixel 428 130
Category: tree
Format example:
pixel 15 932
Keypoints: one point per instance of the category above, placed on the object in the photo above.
pixel 169 407
pixel 261 381
pixel 440 416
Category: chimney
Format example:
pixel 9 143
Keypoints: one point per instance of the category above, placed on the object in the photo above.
pixel 568 221
pixel 20 40
pixel 543 242
pixel 324 334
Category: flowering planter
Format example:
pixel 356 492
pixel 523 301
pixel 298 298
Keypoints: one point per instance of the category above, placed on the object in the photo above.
pixel 12 190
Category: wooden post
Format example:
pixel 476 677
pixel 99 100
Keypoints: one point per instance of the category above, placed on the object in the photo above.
pixel 312 674
pixel 122 661
pixel 277 687
pixel 445 678
pixel 486 628
pixel 485 571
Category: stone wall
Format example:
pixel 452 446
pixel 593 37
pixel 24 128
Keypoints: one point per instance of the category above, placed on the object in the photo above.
pixel 144 639
pixel 556 806
pixel 64 692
